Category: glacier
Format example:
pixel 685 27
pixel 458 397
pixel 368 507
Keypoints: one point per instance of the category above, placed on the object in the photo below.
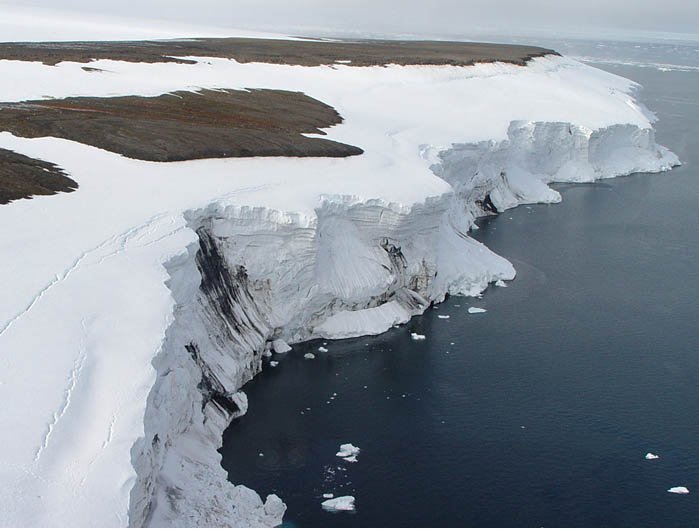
pixel 134 309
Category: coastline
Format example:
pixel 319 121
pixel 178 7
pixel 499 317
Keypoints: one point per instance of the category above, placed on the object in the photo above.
pixel 427 224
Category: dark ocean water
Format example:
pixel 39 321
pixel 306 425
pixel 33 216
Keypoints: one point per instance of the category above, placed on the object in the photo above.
pixel 536 413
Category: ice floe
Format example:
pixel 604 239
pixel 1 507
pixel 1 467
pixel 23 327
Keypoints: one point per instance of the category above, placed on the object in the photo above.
pixel 309 356
pixel 322 349
pixel 342 503
pixel 443 316
pixel 348 450
pixel 416 336
pixel 280 346
pixel 678 490
pixel 651 455
pixel 476 310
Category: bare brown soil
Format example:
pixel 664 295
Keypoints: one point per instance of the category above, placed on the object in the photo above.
pixel 22 177
pixel 300 52
pixel 184 125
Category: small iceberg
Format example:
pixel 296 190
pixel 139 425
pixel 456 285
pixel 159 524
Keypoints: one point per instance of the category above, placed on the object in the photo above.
pixel 350 459
pixel 309 356
pixel 443 316
pixel 322 349
pixel 500 283
pixel 678 490
pixel 348 450
pixel 280 346
pixel 651 455
pixel 476 310
pixel 273 363
pixel 415 336
pixel 342 503
pixel 328 495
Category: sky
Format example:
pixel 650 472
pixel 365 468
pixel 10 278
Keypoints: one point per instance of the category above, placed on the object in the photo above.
pixel 413 18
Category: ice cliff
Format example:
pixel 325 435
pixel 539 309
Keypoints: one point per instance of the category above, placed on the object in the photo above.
pixel 149 298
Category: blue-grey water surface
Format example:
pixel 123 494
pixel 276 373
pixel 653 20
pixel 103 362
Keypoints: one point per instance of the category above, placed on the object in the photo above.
pixel 536 413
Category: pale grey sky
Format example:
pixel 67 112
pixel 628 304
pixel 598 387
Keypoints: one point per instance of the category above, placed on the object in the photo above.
pixel 607 18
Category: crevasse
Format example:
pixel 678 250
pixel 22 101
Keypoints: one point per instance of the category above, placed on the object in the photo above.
pixel 356 267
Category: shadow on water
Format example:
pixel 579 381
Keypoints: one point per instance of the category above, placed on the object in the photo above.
pixel 535 413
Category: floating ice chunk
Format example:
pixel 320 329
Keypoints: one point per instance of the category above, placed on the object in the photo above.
pixel 476 310
pixel 443 316
pixel 350 459
pixel 348 450
pixel 651 455
pixel 500 283
pixel 678 490
pixel 267 353
pixel 328 495
pixel 273 363
pixel 342 503
pixel 280 346
pixel 322 349
pixel 309 356
pixel 416 336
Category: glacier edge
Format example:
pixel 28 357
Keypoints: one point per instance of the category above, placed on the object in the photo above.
pixel 356 267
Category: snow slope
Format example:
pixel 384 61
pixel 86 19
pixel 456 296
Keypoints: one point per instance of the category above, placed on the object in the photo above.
pixel 132 310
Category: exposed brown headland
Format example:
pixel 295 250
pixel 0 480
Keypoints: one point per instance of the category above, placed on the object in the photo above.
pixel 22 177
pixel 184 125
pixel 299 52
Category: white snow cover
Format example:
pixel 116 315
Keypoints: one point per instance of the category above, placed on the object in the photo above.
pixel 118 373
pixel 23 23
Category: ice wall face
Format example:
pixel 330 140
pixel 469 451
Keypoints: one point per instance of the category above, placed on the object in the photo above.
pixel 497 175
pixel 212 348
pixel 255 276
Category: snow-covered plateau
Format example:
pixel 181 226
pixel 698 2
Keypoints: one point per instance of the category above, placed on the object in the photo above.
pixel 134 309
